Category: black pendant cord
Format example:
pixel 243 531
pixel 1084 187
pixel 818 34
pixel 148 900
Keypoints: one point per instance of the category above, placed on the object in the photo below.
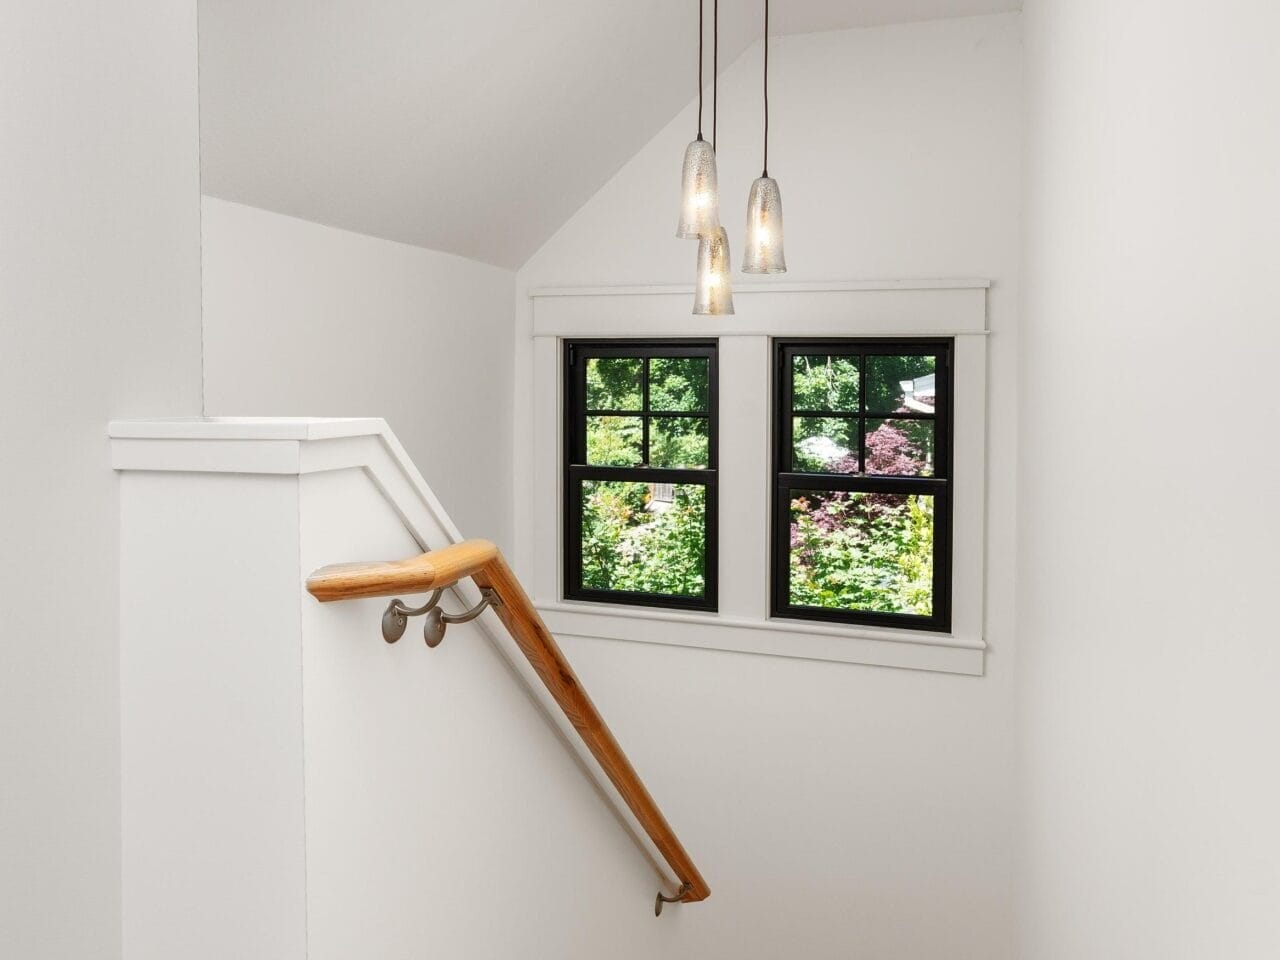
pixel 700 6
pixel 766 89
pixel 715 67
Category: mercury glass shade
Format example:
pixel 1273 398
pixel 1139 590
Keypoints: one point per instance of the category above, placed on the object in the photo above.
pixel 763 253
pixel 699 195
pixel 714 294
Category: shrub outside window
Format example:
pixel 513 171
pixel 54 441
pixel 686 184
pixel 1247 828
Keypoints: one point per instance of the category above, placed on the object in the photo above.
pixel 862 493
pixel 640 472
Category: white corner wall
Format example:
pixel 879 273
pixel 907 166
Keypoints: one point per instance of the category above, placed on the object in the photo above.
pixel 1148 523
pixel 302 319
pixel 297 789
pixel 99 317
pixel 837 810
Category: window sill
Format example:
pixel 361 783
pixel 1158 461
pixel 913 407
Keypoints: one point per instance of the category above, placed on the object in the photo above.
pixel 942 653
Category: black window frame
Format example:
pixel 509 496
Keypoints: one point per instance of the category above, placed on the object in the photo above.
pixel 576 469
pixel 786 479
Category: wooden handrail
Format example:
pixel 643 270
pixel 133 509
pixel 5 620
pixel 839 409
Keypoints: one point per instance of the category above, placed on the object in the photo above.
pixel 482 561
pixel 430 571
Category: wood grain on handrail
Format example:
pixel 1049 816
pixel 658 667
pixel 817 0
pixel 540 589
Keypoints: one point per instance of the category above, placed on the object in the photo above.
pixel 430 571
pixel 482 561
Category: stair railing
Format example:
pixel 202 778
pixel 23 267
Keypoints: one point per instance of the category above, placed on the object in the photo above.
pixel 501 591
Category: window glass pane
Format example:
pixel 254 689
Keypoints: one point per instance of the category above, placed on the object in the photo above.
pixel 678 384
pixel 824 445
pixel 613 383
pixel 644 537
pixel 900 447
pixel 899 384
pixel 824 383
pixel 678 442
pixel 862 551
pixel 615 441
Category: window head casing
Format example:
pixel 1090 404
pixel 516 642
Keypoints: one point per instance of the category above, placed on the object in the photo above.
pixel 640 474
pixel 863 482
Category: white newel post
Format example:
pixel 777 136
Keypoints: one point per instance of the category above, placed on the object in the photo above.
pixel 214 837
pixel 221 521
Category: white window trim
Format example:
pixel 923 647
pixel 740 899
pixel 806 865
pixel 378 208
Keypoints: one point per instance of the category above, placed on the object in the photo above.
pixel 901 308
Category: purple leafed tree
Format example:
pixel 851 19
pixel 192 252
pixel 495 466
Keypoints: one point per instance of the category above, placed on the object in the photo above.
pixel 890 452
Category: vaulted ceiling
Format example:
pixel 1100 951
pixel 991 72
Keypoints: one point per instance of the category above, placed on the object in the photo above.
pixel 470 127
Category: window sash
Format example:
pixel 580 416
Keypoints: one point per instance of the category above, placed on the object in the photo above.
pixel 576 469
pixel 787 479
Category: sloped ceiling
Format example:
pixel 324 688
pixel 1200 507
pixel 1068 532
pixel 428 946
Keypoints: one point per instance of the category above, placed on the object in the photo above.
pixel 470 127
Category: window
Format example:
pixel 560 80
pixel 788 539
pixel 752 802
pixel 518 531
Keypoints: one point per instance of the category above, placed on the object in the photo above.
pixel 862 498
pixel 640 472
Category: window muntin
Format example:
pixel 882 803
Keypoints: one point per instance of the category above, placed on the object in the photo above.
pixel 640 472
pixel 862 493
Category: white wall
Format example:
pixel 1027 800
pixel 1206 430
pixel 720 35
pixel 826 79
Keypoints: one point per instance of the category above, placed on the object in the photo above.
pixel 1148 653
pixel 294 787
pixel 836 810
pixel 306 320
pixel 99 317
pixel 444 816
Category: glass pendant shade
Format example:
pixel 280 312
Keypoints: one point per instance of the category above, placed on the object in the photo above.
pixel 763 252
pixel 714 294
pixel 700 194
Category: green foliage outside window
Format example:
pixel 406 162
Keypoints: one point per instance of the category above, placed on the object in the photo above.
pixel 613 383
pixel 615 441
pixel 858 551
pixel 862 551
pixel 630 541
pixel 648 417
pixel 678 384
pixel 679 442
pixel 855 551
pixel 825 383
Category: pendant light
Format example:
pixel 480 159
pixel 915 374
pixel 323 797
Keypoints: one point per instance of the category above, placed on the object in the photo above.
pixel 699 193
pixel 763 248
pixel 714 293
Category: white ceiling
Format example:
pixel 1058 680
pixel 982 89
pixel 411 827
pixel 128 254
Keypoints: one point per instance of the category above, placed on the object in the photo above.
pixel 470 127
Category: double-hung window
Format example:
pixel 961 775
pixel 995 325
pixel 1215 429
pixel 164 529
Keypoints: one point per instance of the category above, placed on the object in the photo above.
pixel 640 472
pixel 862 482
